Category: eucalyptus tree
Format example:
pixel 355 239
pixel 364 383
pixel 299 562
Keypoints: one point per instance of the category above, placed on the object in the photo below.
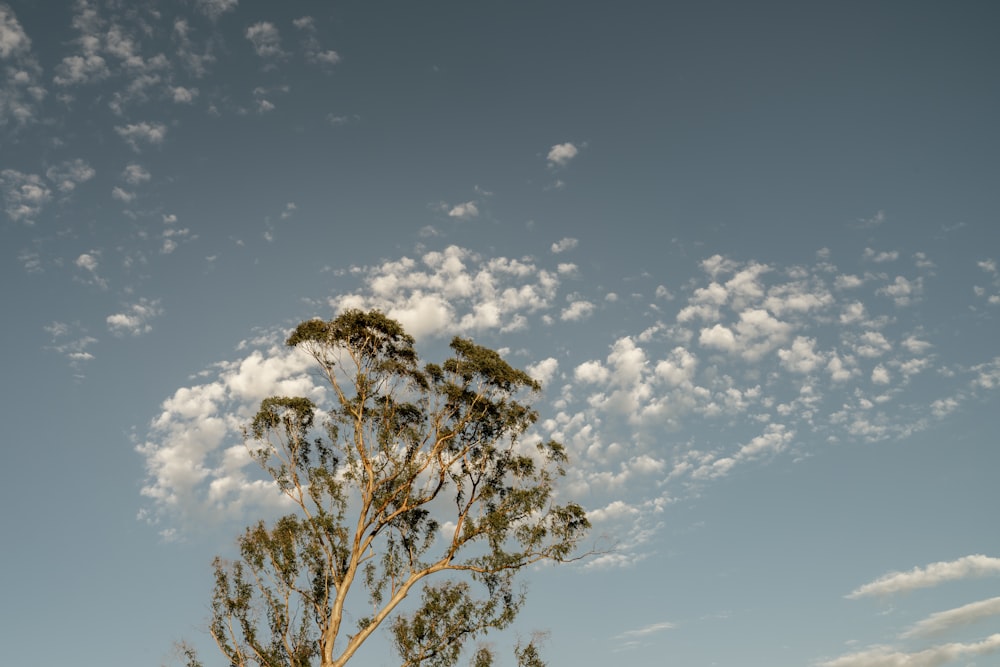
pixel 413 484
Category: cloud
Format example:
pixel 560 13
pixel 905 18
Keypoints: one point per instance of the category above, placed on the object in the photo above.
pixel 465 211
pixel 902 291
pixel 182 95
pixel 543 370
pixel 216 8
pixel 560 154
pixel 135 319
pixel 197 469
pixel 943 621
pixel 265 39
pixel 936 573
pixel 69 174
pixel 647 630
pixel 13 39
pixel 144 132
pixel 314 52
pixel 880 257
pixel 455 291
pixel 564 245
pixel 883 656
pixel 135 174
pixel 24 195
pixel 577 310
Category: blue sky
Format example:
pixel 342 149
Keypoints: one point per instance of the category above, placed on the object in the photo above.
pixel 751 249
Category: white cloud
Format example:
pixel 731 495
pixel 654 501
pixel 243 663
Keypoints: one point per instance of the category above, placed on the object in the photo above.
pixel 182 95
pixel 903 291
pixel 560 154
pixel 135 319
pixel 936 573
pixel 69 174
pixel 80 69
pixel 13 39
pixel 577 310
pixel 455 291
pixel 942 621
pixel 881 257
pixel 883 656
pixel 122 195
pixel 564 245
pixel 265 39
pixel 215 8
pixel 24 195
pixel 544 370
pixel 880 375
pixel 801 357
pixel 87 261
pixel 647 630
pixel 144 132
pixel 465 211
pixel 135 174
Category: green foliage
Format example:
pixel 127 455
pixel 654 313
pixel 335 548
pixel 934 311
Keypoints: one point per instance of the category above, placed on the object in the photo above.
pixel 372 477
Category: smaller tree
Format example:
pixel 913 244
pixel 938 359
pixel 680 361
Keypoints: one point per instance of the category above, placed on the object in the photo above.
pixel 412 474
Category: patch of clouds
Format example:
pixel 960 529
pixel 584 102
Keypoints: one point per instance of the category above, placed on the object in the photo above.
pixel 88 263
pixel 135 319
pixel 902 291
pixel 24 195
pixel 311 47
pixel 880 257
pixel 576 311
pixel 464 211
pixel 455 291
pixel 182 95
pixel 69 174
pixel 213 9
pixel 934 574
pixel 70 341
pixel 934 656
pixel 944 621
pixel 135 174
pixel 266 39
pixel 136 134
pixel 561 154
pixel 991 292
pixel 564 245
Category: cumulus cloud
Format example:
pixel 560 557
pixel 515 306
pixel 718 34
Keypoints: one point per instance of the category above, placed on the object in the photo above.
pixel 135 174
pixel 465 211
pixel 69 174
pixel 135 319
pixel 136 134
pixel 966 567
pixel 24 195
pixel 455 291
pixel 216 8
pixel 564 245
pixel 577 310
pixel 266 39
pixel 561 154
pixel 13 39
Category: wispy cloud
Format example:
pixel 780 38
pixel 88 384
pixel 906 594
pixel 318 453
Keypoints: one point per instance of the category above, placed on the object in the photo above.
pixel 976 565
pixel 135 319
pixel 884 656
pixel 943 621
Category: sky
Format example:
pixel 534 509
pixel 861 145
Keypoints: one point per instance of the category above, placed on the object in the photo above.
pixel 751 250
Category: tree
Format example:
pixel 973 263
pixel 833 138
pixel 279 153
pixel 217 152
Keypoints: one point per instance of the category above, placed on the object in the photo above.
pixel 415 479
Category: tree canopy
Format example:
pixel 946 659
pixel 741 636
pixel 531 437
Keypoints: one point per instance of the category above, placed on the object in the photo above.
pixel 413 480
